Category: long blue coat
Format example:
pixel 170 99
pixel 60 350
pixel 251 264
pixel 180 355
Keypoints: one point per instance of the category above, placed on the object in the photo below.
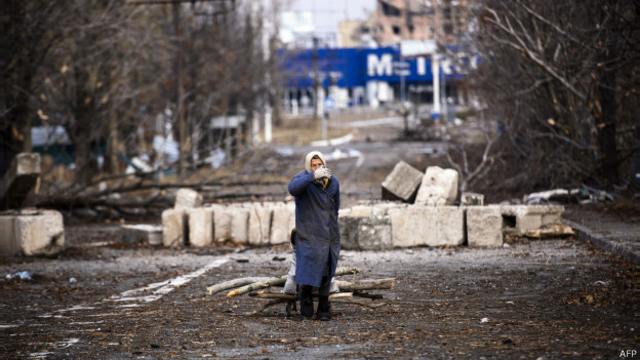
pixel 317 233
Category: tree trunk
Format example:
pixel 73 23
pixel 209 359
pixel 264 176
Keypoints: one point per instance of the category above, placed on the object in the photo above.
pixel 608 115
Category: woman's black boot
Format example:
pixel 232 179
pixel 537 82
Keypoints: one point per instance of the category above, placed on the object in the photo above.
pixel 324 309
pixel 306 301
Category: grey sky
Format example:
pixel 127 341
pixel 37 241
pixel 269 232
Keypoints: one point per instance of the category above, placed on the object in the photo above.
pixel 328 13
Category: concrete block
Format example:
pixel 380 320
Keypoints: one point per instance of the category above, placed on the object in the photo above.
pixel 8 242
pixel 449 226
pixel 175 231
pixel 471 199
pixel 531 217
pixel 141 234
pixel 19 180
pixel 187 199
pixel 239 224
pixel 402 183
pixel 260 224
pixel 484 226
pixel 222 217
pixel 200 226
pixel 284 219
pixel 365 232
pixel 31 232
pixel 425 225
pixel 439 187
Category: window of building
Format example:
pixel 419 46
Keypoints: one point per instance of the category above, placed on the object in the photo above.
pixel 396 29
pixel 389 10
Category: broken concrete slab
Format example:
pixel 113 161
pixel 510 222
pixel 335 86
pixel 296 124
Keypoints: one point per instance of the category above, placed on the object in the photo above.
pixel 284 220
pixel 439 187
pixel 31 232
pixel 19 180
pixel 471 199
pixel 260 224
pixel 141 234
pixel 426 225
pixel 484 226
pixel 175 227
pixel 402 183
pixel 200 226
pixel 523 218
pixel 187 199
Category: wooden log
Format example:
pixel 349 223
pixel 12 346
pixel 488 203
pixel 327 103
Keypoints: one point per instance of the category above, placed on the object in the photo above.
pixel 289 297
pixel 232 284
pixel 278 280
pixel 372 284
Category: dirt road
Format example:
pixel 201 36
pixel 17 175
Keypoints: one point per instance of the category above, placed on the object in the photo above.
pixel 551 300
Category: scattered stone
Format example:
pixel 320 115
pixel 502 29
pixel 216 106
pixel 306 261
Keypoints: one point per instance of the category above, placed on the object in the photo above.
pixel 484 226
pixel 188 199
pixel 402 183
pixel 471 199
pixel 439 187
pixel 19 180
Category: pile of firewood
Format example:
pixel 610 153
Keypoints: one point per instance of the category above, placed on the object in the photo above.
pixel 260 287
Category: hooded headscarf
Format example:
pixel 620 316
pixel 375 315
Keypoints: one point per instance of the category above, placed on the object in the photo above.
pixel 307 160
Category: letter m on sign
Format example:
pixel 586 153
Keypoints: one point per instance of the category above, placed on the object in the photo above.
pixel 379 66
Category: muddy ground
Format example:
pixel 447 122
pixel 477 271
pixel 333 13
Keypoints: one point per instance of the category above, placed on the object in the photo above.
pixel 547 299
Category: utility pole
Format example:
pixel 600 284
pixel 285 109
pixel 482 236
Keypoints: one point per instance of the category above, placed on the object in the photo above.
pixel 316 79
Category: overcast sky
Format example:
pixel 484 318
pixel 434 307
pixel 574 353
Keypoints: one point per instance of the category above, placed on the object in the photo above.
pixel 328 13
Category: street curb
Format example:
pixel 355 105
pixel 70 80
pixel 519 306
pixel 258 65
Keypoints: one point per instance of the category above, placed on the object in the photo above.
pixel 584 233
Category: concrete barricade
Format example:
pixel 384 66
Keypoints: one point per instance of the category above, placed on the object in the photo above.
pixel 260 224
pixel 31 232
pixel 425 225
pixel 175 231
pixel 484 226
pixel 141 234
pixel 284 220
pixel 19 180
pixel 439 187
pixel 188 199
pixel 200 226
pixel 402 183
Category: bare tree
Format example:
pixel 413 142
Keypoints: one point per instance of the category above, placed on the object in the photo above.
pixel 559 76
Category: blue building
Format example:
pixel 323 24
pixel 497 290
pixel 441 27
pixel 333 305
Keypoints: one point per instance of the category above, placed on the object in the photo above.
pixel 360 76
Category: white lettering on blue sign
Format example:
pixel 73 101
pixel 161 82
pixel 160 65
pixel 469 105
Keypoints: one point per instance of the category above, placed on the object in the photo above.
pixel 421 66
pixel 379 66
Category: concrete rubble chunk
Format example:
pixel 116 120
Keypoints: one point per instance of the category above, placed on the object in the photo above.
pixel 284 219
pixel 19 180
pixel 141 234
pixel 175 231
pixel 402 183
pixel 484 226
pixel 200 226
pixel 260 224
pixel 31 232
pixel 188 199
pixel 426 225
pixel 469 199
pixel 531 217
pixel 439 187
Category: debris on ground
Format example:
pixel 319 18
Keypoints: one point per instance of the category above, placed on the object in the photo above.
pixel 257 287
pixel 20 275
